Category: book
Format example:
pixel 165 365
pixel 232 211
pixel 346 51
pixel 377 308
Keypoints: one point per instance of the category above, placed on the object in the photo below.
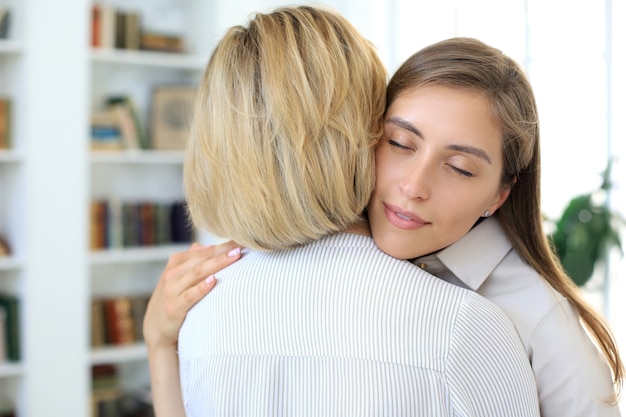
pixel 10 304
pixel 99 224
pixel 3 341
pixel 5 249
pixel 137 137
pixel 146 224
pixel 162 223
pixel 120 29
pixel 130 224
pixel 120 328
pixel 159 42
pixel 106 26
pixel 172 111
pixel 5 22
pixel 125 121
pixel 181 228
pixel 106 133
pixel 96 16
pixel 115 230
pixel 103 377
pixel 105 392
pixel 132 30
pixel 5 123
pixel 98 331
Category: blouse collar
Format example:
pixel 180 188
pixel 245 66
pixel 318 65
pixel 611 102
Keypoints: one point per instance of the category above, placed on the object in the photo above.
pixel 472 258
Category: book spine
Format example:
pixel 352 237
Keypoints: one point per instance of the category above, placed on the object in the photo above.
pixel 5 123
pixel 10 304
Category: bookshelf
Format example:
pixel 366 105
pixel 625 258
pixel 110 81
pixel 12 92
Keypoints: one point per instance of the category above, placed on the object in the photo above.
pixel 49 176
pixel 13 166
pixel 136 176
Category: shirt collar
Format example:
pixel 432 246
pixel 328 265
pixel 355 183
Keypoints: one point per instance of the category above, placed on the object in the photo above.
pixel 472 258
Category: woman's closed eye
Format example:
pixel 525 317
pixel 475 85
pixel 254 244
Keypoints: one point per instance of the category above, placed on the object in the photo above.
pixel 461 171
pixel 397 144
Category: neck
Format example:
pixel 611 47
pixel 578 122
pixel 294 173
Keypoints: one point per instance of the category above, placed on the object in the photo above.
pixel 361 227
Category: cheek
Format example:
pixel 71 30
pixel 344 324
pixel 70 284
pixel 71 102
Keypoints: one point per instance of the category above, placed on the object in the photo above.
pixel 385 175
pixel 459 208
pixel 454 221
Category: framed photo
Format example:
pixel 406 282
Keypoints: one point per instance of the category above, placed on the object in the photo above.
pixel 172 110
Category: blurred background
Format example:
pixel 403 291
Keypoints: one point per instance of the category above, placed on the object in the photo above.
pixel 90 186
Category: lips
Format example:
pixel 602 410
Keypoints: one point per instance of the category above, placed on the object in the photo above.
pixel 403 219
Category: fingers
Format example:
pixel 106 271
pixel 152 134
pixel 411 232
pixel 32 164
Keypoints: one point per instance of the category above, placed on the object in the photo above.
pixel 225 247
pixel 193 277
pixel 211 264
pixel 196 246
pixel 196 292
pixel 186 279
pixel 196 253
pixel 203 262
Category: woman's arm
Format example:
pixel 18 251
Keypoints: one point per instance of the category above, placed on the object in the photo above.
pixel 187 277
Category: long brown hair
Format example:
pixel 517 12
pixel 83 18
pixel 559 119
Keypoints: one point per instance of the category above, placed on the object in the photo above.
pixel 470 64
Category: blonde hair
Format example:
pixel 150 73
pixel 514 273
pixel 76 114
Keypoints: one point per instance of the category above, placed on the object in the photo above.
pixel 286 121
pixel 470 64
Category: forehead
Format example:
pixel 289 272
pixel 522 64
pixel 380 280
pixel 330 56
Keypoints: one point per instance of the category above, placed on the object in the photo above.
pixel 459 114
pixel 472 99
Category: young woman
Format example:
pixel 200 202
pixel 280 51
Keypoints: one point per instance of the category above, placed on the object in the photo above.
pixel 458 192
pixel 281 158
pixel 458 168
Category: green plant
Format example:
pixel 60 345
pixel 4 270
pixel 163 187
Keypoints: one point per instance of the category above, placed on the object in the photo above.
pixel 586 231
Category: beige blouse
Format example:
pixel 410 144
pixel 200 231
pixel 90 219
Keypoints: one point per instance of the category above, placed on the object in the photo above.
pixel 573 378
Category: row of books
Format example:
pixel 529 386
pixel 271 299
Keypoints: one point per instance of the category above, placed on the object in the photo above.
pixel 113 27
pixel 9 328
pixel 117 224
pixel 117 124
pixel 117 320
pixel 108 400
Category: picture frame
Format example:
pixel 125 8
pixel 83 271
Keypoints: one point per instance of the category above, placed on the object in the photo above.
pixel 171 114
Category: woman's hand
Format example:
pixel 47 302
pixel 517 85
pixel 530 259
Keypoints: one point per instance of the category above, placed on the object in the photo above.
pixel 187 277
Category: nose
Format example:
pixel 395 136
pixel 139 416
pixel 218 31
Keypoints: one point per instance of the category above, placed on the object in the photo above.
pixel 417 181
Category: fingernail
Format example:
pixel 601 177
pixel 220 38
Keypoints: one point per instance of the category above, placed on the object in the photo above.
pixel 210 280
pixel 234 252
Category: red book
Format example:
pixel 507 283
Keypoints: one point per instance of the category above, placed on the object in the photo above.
pixel 120 327
pixel 95 26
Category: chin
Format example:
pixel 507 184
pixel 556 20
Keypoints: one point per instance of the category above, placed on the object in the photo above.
pixel 394 248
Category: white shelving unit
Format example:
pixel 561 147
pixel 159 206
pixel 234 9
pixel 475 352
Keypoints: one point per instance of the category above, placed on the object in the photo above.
pixel 134 176
pixel 13 168
pixel 49 177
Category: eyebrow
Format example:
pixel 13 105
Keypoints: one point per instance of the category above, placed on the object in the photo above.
pixel 472 150
pixel 403 124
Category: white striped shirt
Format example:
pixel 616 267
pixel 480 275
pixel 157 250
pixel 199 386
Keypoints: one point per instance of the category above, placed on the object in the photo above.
pixel 338 328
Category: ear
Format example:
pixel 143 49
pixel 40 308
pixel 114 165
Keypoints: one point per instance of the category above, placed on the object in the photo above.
pixel 503 194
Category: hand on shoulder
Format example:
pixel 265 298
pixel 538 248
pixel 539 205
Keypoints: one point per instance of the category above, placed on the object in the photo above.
pixel 187 277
